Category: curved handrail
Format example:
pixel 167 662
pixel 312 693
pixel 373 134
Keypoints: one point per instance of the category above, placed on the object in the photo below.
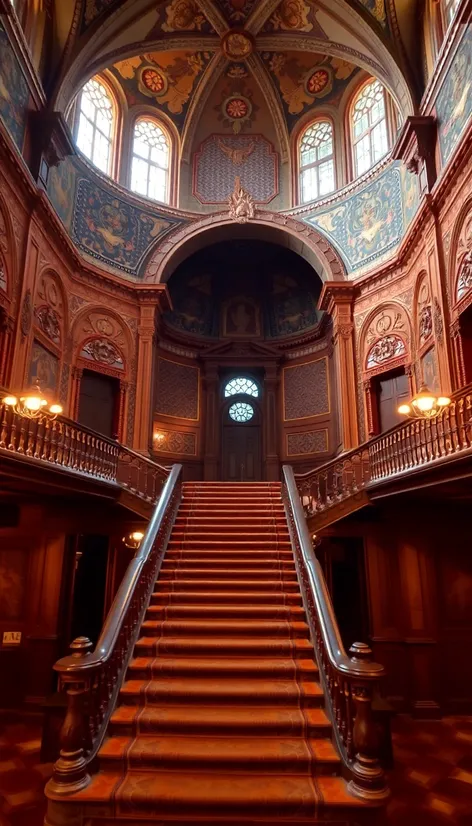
pixel 93 679
pixel 349 681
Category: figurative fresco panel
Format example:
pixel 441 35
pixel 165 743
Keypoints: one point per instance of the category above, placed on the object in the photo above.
pixel 292 308
pixel 13 569
pixel 166 78
pixel 410 194
pixel 303 78
pixel 295 16
pixel 221 159
pixel 93 9
pixel 376 9
pixel 312 441
pixel 241 318
pixel 43 369
pixel 192 304
pixel 14 92
pixel 369 223
pixel 429 371
pixel 61 190
pixel 306 390
pixel 454 101
pixel 113 230
pixel 177 390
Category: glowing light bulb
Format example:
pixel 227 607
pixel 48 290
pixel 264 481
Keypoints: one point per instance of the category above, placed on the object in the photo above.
pixel 136 536
pixel 424 403
pixel 33 402
pixel 404 409
pixel 55 409
pixel 10 400
pixel 443 401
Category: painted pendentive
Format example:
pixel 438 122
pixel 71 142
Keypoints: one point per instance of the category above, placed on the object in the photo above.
pixel 14 93
pixel 454 101
pixel 105 224
pixel 369 224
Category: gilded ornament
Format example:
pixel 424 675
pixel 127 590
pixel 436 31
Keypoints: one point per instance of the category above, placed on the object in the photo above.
pixel 237 155
pixel 241 204
pixel 237 45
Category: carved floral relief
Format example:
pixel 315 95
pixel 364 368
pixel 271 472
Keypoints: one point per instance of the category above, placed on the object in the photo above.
pixel 386 337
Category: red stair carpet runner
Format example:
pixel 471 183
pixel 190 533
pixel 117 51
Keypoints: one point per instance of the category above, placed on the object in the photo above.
pixel 221 716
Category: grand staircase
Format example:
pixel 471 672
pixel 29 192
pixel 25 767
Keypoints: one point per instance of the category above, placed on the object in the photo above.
pixel 221 718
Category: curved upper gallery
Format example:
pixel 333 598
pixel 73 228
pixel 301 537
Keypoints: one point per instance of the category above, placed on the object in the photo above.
pixel 298 103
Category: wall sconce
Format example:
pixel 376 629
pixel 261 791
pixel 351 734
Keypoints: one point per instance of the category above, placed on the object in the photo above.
pixel 32 404
pixel 425 405
pixel 159 437
pixel 133 540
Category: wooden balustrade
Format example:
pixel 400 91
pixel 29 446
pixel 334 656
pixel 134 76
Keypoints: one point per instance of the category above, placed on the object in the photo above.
pixel 349 682
pixel 63 443
pixel 92 679
pixel 413 444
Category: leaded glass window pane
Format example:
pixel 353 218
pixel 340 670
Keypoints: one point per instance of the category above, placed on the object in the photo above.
pixel 241 385
pixel 95 126
pixel 369 127
pixel 317 161
pixel 150 161
pixel 241 412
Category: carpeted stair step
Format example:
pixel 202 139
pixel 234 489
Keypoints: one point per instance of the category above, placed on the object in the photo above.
pixel 230 646
pixel 148 667
pixel 269 721
pixel 214 596
pixel 219 754
pixel 267 612
pixel 230 563
pixel 226 628
pixel 220 691
pixel 230 545
pixel 257 557
pixel 236 798
pixel 228 573
pixel 208 584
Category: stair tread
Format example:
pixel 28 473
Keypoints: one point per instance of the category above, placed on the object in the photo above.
pixel 223 687
pixel 230 664
pixel 235 715
pixel 150 747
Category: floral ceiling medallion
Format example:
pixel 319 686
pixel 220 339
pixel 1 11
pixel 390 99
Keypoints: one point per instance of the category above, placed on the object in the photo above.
pixel 237 45
pixel 319 81
pixel 236 109
pixel 152 81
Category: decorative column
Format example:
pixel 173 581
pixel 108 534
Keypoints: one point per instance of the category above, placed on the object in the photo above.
pixel 77 374
pixel 150 300
pixel 337 299
pixel 212 421
pixel 6 332
pixel 459 364
pixel 272 463
pixel 370 413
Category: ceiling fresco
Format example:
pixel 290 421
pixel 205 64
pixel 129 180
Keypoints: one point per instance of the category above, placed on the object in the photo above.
pixel 179 16
pixel 304 79
pixel 295 16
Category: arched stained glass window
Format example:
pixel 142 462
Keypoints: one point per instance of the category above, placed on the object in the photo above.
pixel 150 161
pixel 95 124
pixel 241 385
pixel 317 176
pixel 369 127
pixel 241 412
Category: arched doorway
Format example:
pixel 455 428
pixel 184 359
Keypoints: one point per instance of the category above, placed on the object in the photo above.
pixel 241 438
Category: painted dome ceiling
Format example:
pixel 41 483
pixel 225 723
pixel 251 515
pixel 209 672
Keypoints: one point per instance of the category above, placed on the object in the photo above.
pixel 239 63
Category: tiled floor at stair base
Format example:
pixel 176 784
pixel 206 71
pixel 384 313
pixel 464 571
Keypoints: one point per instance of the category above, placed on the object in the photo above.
pixel 431 783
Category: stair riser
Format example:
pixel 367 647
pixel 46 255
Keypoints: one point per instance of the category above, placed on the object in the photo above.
pixel 201 648
pixel 156 671
pixel 174 612
pixel 256 558
pixel 225 598
pixel 224 546
pixel 228 585
pixel 266 565
pixel 210 573
pixel 183 698
pixel 174 628
pixel 204 762
pixel 290 728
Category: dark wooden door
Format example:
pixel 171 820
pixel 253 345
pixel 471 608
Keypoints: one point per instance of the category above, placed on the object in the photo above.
pixel 241 460
pixel 392 391
pixel 98 402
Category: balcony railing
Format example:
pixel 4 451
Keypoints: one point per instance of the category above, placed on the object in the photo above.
pixel 63 444
pixel 410 446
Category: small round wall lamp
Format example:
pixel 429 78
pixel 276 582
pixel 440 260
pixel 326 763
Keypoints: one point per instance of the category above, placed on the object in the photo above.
pixel 133 540
pixel 32 403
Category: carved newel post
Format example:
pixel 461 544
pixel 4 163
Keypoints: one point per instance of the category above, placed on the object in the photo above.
pixel 70 770
pixel 369 777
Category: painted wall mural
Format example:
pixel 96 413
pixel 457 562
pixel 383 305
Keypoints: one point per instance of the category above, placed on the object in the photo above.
pixel 261 294
pixel 429 371
pixel 112 230
pixel 371 222
pixel 306 390
pixel 43 369
pixel 221 158
pixel 179 16
pixel 376 9
pixel 165 78
pixel 304 78
pixel 454 101
pixel 14 92
pixel 61 189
